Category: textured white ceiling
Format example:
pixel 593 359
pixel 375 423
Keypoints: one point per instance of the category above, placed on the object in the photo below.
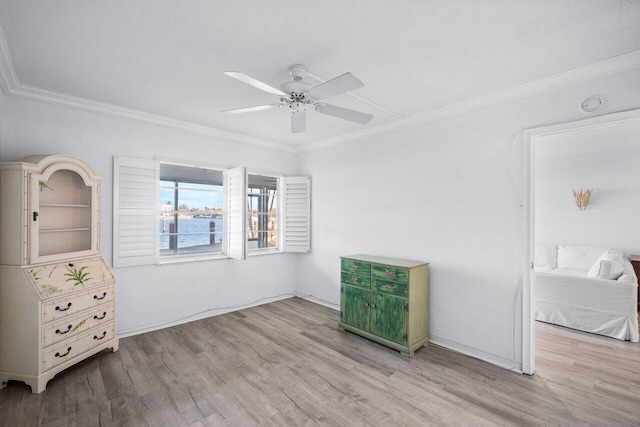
pixel 166 57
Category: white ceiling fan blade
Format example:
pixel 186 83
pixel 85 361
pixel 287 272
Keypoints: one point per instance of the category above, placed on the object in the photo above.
pixel 250 109
pixel 343 113
pixel 299 122
pixel 255 83
pixel 341 84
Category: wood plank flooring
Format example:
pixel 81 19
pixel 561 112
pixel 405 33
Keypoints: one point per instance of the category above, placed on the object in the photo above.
pixel 287 364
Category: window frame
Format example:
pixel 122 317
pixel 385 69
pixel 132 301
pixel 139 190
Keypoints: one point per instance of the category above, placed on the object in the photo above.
pixel 199 256
pixel 278 248
pixel 136 219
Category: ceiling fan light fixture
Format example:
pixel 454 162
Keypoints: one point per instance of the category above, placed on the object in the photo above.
pixel 296 107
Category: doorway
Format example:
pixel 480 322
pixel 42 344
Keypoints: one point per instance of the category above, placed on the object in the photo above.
pixel 532 142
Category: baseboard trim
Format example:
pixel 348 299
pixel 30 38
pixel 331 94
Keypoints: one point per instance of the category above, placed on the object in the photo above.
pixel 318 301
pixel 201 315
pixel 494 359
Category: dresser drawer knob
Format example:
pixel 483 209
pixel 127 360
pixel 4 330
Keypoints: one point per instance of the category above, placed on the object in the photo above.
pixel 104 295
pixel 63 355
pixel 387 272
pixel 373 306
pixel 388 287
pixel 104 334
pixel 58 331
pixel 366 304
pixel 356 266
pixel 100 318
pixel 63 309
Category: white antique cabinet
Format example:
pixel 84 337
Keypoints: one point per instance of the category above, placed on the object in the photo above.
pixel 57 295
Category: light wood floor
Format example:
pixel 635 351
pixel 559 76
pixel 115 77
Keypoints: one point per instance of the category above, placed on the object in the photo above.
pixel 287 363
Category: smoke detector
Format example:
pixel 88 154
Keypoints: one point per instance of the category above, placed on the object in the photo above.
pixel 591 104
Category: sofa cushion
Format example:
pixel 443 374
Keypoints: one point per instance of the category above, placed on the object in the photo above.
pixel 546 256
pixel 578 257
pixel 568 272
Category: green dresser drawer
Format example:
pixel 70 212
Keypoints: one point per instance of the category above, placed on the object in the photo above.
pixel 359 267
pixel 355 279
pixel 389 287
pixel 400 275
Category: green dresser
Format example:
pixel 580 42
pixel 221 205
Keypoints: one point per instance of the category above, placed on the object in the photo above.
pixel 385 300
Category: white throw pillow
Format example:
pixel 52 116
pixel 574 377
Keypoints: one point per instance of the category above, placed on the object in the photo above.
pixel 546 256
pixel 578 257
pixel 606 269
pixel 600 270
pixel 616 270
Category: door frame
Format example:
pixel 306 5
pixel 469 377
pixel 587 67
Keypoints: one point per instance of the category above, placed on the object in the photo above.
pixel 529 138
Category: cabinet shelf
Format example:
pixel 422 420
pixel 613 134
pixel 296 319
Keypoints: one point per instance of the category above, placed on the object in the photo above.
pixel 62 205
pixel 64 230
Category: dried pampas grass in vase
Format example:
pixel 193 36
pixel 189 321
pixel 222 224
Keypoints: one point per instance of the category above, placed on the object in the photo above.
pixel 582 198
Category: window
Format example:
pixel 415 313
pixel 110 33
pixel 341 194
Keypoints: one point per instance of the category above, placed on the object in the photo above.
pixel 191 213
pixel 166 212
pixel 262 213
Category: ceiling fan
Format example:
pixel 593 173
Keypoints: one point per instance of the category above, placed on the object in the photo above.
pixel 297 95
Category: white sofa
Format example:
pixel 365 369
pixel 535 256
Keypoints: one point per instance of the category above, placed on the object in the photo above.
pixel 593 289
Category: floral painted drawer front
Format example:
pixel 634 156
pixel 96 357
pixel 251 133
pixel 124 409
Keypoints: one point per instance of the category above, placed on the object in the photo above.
pixel 64 277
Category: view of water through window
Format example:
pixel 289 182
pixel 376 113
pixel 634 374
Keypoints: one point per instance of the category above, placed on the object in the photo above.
pixel 191 217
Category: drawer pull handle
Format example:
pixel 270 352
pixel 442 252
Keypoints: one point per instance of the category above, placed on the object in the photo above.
pixel 354 280
pixel 58 331
pixel 70 264
pixel 63 309
pixel 366 304
pixel 387 272
pixel 63 355
pixel 100 318
pixel 104 295
pixel 388 287
pixel 104 334
pixel 373 306
pixel 356 266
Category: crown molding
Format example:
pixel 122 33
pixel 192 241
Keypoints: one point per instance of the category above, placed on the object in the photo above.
pixel 40 95
pixel 8 77
pixel 616 64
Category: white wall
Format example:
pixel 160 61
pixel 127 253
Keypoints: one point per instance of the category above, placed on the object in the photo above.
pixel 151 296
pixel 573 162
pixel 443 192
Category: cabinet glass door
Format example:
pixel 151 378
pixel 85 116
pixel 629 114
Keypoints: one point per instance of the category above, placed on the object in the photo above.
pixel 61 215
pixel 388 317
pixel 355 307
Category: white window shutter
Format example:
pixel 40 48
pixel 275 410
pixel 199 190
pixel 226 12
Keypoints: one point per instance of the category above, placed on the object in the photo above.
pixel 237 216
pixel 295 196
pixel 135 206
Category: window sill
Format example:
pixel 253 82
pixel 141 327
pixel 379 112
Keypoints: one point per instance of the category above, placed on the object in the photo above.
pixel 181 260
pixel 260 252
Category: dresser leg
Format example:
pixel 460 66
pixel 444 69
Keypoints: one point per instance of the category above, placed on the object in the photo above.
pixel 37 386
pixel 116 346
pixel 3 382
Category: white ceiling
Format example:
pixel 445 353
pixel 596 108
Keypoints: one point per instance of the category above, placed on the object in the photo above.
pixel 166 58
